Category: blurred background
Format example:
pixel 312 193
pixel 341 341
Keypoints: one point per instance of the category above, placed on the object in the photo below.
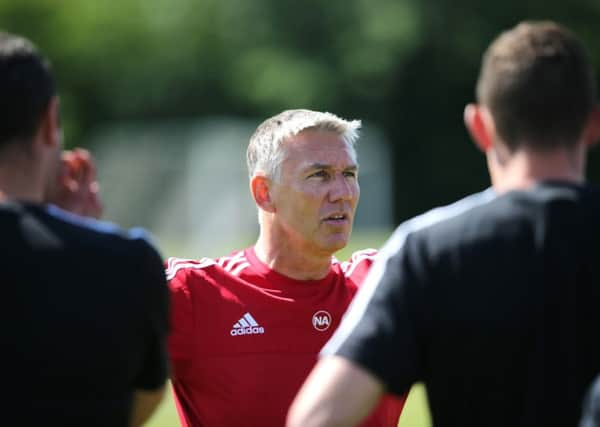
pixel 166 94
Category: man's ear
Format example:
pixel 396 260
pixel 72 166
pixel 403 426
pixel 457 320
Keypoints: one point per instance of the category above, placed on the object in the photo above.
pixel 50 124
pixel 591 131
pixel 260 187
pixel 480 125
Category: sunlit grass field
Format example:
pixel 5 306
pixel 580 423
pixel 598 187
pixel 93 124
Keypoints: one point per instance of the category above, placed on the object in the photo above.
pixel 416 412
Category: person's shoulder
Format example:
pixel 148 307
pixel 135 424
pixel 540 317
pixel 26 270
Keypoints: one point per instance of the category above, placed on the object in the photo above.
pixel 51 227
pixel 549 198
pixel 552 192
pixel 179 270
pixel 92 234
pixel 359 260
pixel 441 218
pixel 130 253
pixel 61 235
pixel 488 217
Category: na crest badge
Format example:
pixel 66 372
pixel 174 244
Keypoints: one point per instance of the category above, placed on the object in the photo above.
pixel 321 320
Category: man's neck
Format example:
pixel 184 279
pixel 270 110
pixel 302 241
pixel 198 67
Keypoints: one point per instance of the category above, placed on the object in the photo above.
pixel 524 168
pixel 292 262
pixel 17 185
pixel 21 178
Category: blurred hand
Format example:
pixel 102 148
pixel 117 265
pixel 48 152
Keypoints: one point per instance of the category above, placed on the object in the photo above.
pixel 77 190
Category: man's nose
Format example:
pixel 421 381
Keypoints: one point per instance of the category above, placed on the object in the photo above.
pixel 343 188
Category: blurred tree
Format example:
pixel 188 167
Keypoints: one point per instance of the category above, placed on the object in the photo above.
pixel 407 65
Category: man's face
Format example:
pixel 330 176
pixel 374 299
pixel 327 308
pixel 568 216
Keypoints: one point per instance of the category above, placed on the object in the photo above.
pixel 317 193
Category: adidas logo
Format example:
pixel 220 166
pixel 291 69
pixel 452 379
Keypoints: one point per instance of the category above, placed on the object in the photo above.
pixel 246 326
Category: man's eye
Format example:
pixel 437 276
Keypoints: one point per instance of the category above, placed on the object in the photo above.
pixel 350 174
pixel 319 174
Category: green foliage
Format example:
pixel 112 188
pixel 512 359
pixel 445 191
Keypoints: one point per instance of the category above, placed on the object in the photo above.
pixel 407 65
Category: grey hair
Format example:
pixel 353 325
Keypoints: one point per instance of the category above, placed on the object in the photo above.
pixel 265 151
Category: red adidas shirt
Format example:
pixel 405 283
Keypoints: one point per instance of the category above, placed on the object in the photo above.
pixel 244 337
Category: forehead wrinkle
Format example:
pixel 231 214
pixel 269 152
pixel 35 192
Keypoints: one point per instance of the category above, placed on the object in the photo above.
pixel 302 151
pixel 318 165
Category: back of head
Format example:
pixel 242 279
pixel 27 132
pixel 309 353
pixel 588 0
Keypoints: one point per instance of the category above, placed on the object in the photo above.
pixel 26 85
pixel 538 83
pixel 265 152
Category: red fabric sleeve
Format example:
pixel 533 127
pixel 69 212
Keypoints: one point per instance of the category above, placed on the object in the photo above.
pixel 182 321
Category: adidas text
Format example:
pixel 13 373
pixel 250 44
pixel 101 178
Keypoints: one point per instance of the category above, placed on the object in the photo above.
pixel 248 330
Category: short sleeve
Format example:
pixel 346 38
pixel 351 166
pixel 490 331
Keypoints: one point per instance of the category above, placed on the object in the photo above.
pixel 380 331
pixel 154 370
pixel 357 267
pixel 180 338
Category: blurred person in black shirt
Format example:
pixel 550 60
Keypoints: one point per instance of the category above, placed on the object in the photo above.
pixel 494 301
pixel 84 305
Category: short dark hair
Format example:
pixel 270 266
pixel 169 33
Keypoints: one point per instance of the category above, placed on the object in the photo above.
pixel 538 83
pixel 26 88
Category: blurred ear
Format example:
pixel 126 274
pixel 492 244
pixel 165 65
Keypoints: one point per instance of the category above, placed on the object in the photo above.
pixel 480 125
pixel 260 187
pixel 50 124
pixel 591 132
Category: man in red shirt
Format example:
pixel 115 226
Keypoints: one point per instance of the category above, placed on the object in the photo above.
pixel 247 328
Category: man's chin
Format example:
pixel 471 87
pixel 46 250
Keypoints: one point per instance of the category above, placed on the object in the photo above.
pixel 335 244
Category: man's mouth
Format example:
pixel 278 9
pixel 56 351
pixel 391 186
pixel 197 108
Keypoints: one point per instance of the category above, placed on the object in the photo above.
pixel 338 217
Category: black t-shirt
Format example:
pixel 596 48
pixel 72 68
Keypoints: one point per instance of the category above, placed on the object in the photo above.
pixel 83 318
pixel 493 302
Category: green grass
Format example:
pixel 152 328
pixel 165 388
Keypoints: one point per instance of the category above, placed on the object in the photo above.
pixel 166 414
pixel 416 411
